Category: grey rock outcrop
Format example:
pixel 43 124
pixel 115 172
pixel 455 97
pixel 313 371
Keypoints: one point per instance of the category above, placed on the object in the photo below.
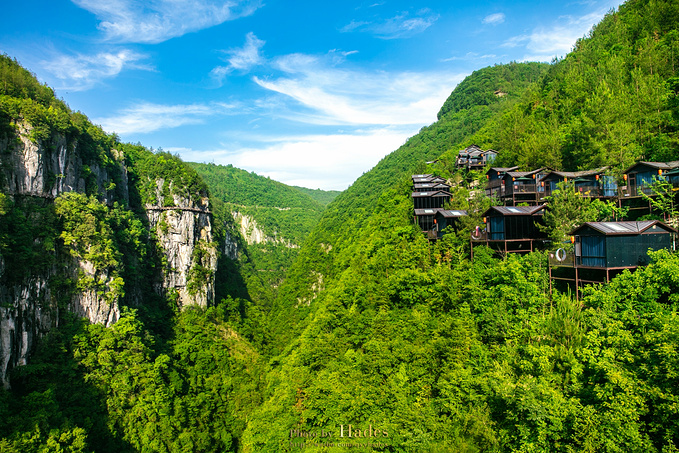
pixel 29 308
pixel 184 232
pixel 47 170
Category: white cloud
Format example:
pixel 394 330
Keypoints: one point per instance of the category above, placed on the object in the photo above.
pixel 329 162
pixel 241 59
pixel 148 117
pixel 545 43
pixel 159 20
pixel 338 97
pixel 81 72
pixel 399 26
pixel 494 19
pixel 471 56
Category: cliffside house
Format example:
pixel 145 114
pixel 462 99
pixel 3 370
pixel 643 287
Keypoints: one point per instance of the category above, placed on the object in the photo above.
pixel 495 186
pixel 430 200
pixel 446 218
pixel 522 187
pixel 590 183
pixel 425 218
pixel 640 177
pixel 602 250
pixel 511 229
pixel 427 179
pixel 430 186
pixel 474 158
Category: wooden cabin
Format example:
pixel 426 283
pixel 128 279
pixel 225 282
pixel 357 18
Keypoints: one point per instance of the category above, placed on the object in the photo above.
pixel 590 183
pixel 430 200
pixel 430 187
pixel 511 229
pixel 495 186
pixel 425 218
pixel 640 177
pixel 474 158
pixel 522 187
pixel 603 249
pixel 445 218
pixel 427 179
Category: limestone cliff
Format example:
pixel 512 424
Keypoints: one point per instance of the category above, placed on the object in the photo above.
pixel 184 232
pixel 254 234
pixel 49 169
pixel 45 170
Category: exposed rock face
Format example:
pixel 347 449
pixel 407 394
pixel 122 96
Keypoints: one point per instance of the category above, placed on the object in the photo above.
pixel 54 168
pixel 253 234
pixel 29 309
pixel 28 316
pixel 230 248
pixel 185 234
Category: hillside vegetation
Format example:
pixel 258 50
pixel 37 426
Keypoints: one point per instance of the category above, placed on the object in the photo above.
pixel 415 346
pixel 453 355
pixel 268 220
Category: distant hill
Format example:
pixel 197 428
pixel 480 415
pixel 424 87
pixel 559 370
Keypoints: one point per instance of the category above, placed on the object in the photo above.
pixel 324 197
pixel 271 220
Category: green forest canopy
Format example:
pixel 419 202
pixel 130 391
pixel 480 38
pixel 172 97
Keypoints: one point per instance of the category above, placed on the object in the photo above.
pixel 376 327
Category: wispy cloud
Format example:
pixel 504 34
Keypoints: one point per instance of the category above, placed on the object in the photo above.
pixel 545 43
pixel 330 162
pixel 472 56
pixel 402 25
pixel 159 20
pixel 147 117
pixel 342 97
pixel 81 72
pixel 494 19
pixel 240 59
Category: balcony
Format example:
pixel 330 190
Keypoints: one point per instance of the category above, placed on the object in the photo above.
pixel 631 191
pixel 522 188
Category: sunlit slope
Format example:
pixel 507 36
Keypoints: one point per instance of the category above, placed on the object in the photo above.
pixel 344 223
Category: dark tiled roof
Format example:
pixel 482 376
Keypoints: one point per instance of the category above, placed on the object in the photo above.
pixel 515 210
pixel 437 193
pixel 575 174
pixel 618 228
pixel 422 212
pixel 521 174
pixel 450 213
pixel 503 169
pixel 659 165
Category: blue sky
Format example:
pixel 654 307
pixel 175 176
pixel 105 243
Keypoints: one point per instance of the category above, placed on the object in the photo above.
pixel 308 93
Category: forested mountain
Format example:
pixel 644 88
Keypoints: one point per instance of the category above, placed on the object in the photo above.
pixel 451 355
pixel 107 266
pixel 409 344
pixel 612 101
pixel 323 197
pixel 266 221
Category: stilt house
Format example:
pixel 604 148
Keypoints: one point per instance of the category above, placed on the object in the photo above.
pixel 640 177
pixel 495 187
pixel 474 158
pixel 511 229
pixel 522 187
pixel 590 183
pixel 448 218
pixel 430 200
pixel 604 249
